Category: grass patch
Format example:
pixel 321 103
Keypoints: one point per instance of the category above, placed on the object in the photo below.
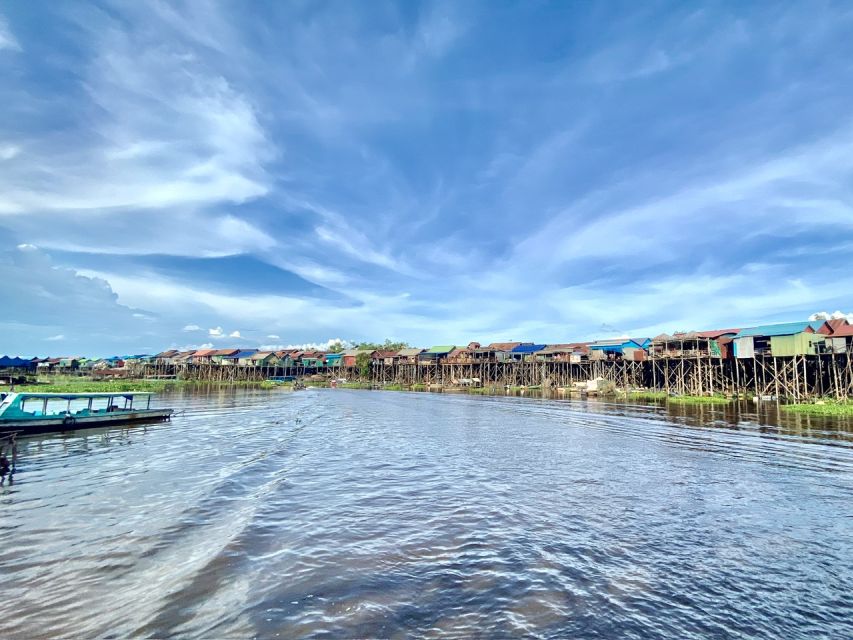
pixel 87 385
pixel 646 395
pixel 355 385
pixel 419 387
pixel 826 408
pixel 699 400
pixel 394 387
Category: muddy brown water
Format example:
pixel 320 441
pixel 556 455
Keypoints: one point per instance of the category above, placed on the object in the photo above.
pixel 343 513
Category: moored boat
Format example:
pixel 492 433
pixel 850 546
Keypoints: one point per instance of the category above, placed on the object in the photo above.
pixel 30 413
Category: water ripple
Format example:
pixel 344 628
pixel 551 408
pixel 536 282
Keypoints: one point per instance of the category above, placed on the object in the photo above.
pixel 353 514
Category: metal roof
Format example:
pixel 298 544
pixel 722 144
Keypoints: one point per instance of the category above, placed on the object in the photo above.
pixel 247 353
pixel 770 330
pixel 843 331
pixel 502 346
pixel 408 353
pixel 204 352
pixel 717 333
pixel 836 323
pixel 442 348
pixel 528 348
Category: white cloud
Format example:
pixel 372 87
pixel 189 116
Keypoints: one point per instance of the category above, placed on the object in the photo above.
pixel 234 334
pixel 7 38
pixel 144 183
pixel 308 346
pixel 215 332
pixel 273 337
pixel 9 151
pixel 192 327
pixel 55 338
pixel 837 315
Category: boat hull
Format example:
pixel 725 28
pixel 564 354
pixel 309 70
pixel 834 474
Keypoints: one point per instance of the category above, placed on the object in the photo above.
pixel 50 424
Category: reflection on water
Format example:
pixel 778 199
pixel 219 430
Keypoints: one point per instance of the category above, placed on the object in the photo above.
pixel 349 513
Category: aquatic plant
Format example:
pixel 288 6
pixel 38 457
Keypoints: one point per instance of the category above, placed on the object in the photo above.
pixel 699 400
pixel 646 395
pixel 841 408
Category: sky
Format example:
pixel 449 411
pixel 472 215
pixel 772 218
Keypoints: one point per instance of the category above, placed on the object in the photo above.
pixel 179 174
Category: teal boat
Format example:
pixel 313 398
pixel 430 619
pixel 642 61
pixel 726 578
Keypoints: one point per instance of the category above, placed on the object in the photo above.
pixel 31 413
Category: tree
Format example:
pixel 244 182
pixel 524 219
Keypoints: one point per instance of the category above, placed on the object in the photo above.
pixel 336 348
pixel 362 361
pixel 388 345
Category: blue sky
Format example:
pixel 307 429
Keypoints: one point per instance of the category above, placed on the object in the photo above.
pixel 183 173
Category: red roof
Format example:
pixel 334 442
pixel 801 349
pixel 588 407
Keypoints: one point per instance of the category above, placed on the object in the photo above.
pixel 716 333
pixel 503 346
pixel 837 324
pixel 205 352
pixel 225 352
pixel 385 353
pixel 844 331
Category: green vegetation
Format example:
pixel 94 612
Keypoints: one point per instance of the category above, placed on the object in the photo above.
pixel 838 408
pixel 419 387
pixel 394 387
pixel 81 385
pixel 388 345
pixel 87 385
pixel 362 361
pixel 355 385
pixel 699 400
pixel 646 395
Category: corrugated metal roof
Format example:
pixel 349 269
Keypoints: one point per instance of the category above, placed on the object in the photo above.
pixel 782 329
pixel 503 346
pixel 204 352
pixel 225 352
pixel 350 352
pixel 717 333
pixel 837 323
pixel 408 353
pixel 442 348
pixel 559 348
pixel 248 353
pixel 261 355
pixel 600 344
pixel 528 348
pixel 385 353
pixel 843 331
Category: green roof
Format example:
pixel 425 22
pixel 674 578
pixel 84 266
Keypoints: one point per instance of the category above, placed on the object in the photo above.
pixel 442 348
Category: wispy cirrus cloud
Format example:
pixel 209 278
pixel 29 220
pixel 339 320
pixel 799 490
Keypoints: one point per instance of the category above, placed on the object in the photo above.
pixel 436 173
pixel 7 38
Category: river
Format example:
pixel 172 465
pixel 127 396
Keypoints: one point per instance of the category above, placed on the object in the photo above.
pixel 340 513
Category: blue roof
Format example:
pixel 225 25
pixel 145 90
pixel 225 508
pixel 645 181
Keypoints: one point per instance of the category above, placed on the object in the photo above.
pixel 248 353
pixel 770 330
pixel 528 348
pixel 612 348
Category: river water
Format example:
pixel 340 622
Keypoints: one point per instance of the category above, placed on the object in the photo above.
pixel 336 513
